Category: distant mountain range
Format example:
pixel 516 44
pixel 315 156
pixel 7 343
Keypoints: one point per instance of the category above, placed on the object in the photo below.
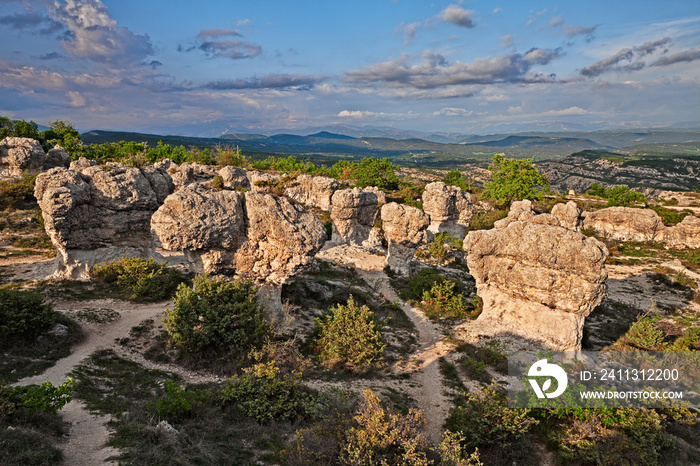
pixel 444 149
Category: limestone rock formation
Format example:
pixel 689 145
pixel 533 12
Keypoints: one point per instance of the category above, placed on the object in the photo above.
pixel 189 173
pixel 625 224
pixel 313 191
pixel 57 157
pixel 450 208
pixel 354 213
pixel 569 215
pixel 257 179
pixel 519 211
pixel 25 155
pixel 685 234
pixel 167 165
pixel 254 235
pixel 381 195
pixel 282 238
pixel 234 177
pixel 81 163
pixel 405 228
pixel 537 280
pixel 98 214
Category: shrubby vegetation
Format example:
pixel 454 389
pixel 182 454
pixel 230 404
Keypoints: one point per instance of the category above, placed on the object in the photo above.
pixel 23 316
pixel 349 335
pixel 14 193
pixel 139 279
pixel 218 318
pixel 455 178
pixel 513 179
pixel 617 195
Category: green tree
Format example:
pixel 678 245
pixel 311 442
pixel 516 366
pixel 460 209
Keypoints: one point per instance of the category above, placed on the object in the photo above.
pixel 513 179
pixel 455 178
pixel 376 172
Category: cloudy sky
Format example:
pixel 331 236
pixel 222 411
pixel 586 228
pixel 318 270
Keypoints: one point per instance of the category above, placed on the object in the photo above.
pixel 468 67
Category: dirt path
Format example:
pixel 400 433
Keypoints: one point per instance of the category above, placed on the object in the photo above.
pixel 88 432
pixel 430 391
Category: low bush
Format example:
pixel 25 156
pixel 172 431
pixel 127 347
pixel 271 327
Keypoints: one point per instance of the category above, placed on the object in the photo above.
pixel 349 335
pixel 46 398
pixel 644 334
pixel 23 316
pixel 617 195
pixel 437 246
pixel 671 217
pixel 139 279
pixel 381 436
pixel 446 300
pixel 485 421
pixel 266 395
pixel 14 193
pixel 217 317
pixel 179 402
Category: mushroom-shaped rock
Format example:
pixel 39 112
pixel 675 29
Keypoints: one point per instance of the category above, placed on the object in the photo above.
pixel 537 280
pixel 450 208
pixel 282 238
pixel 313 191
pixel 625 223
pixel 354 213
pixel 405 228
pixel 22 155
pixel 95 215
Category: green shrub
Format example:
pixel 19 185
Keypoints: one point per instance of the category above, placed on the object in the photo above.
pixel 178 401
pixel 23 316
pixel 692 256
pixel 670 217
pixel 484 419
pixel 266 395
pixel 139 279
pixel 485 220
pixel 421 282
pixel 513 179
pixel 644 334
pixel 217 182
pixel 452 453
pixel 349 335
pixel 13 193
pixel 218 317
pixel 383 437
pixel 623 196
pixel 376 172
pixel 455 178
pixel 437 246
pixel 46 397
pixel 446 300
pixel 226 155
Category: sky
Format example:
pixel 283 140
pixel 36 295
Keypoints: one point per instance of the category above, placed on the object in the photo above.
pixel 472 67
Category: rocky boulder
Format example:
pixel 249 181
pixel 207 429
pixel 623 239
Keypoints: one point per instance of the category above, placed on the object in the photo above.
pixel 25 155
pixel 189 173
pixel 625 224
pixel 81 163
pixel 537 280
pixel 313 191
pixel 234 177
pixel 99 214
pixel 405 228
pixel 282 238
pixel 254 235
pixel 568 215
pixel 685 234
pixel 354 213
pixel 450 208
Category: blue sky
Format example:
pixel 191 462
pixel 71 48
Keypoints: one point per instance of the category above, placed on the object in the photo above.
pixel 468 67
